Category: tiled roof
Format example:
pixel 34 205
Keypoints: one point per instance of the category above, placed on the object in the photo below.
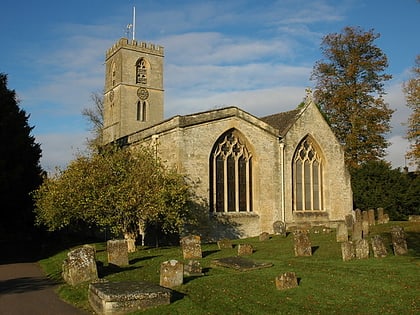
pixel 282 121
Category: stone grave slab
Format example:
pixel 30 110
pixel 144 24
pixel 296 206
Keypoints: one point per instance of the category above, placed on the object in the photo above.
pixel 347 251
pixel 342 233
pixel 171 273
pixel 378 247
pixel 279 228
pixel 123 297
pixel 193 268
pixel 380 213
pixel 224 244
pixel 361 249
pixel 240 263
pixel 399 242
pixel 302 243
pixel 264 236
pixel 245 249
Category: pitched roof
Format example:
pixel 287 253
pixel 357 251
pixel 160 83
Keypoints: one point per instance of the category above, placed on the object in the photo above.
pixel 282 121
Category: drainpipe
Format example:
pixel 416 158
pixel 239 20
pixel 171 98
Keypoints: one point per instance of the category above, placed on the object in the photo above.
pixel 283 203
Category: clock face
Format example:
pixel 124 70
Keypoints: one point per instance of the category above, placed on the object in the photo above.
pixel 142 93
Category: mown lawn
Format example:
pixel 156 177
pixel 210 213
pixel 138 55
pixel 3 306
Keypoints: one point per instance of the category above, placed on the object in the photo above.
pixel 327 285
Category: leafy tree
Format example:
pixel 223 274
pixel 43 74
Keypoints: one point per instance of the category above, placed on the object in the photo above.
pixel 411 90
pixel 350 89
pixel 95 116
pixel 122 189
pixel 376 185
pixel 20 171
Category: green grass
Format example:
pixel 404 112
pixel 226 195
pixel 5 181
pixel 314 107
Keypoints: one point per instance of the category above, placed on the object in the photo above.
pixel 327 285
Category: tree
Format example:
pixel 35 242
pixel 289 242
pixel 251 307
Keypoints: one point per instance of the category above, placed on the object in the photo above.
pixel 349 91
pixel 123 189
pixel 411 89
pixel 20 171
pixel 95 116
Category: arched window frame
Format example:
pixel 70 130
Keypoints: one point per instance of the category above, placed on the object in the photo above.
pixel 141 71
pixel 141 110
pixel 231 174
pixel 308 166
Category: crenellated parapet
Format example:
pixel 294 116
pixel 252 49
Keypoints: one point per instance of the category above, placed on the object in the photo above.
pixel 136 45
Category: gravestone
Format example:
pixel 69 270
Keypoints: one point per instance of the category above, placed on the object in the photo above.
pixel 279 228
pixel 224 244
pixel 264 236
pixel 117 252
pixel 361 249
pixel 414 218
pixel 371 217
pixel 193 268
pixel 365 216
pixel 171 273
pixel 347 251
pixel 302 243
pixel 287 280
pixel 125 297
pixel 386 218
pixel 378 247
pixel 191 247
pixel 80 265
pixel 399 242
pixel 245 249
pixel 342 234
pixel 240 263
pixel 349 219
pixel 358 215
pixel 357 231
pixel 380 215
pixel 365 228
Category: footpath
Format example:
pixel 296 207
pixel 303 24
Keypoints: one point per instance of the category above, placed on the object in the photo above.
pixel 24 288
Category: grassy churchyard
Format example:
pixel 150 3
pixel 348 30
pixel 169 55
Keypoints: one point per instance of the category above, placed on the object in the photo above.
pixel 327 284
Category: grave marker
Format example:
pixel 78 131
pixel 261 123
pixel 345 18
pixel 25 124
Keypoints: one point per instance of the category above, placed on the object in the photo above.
pixel 191 247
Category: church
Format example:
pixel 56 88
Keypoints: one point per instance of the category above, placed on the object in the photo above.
pixel 248 172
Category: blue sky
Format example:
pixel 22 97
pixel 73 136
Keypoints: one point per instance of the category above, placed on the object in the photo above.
pixel 257 55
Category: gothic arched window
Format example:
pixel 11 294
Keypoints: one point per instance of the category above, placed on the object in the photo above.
pixel 141 71
pixel 231 174
pixel 307 177
pixel 141 111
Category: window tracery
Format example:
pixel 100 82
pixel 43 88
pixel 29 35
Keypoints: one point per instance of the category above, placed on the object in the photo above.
pixel 141 71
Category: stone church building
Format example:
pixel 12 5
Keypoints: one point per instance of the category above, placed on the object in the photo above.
pixel 249 172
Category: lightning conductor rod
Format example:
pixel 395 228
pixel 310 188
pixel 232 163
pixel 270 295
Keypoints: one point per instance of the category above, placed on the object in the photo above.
pixel 134 22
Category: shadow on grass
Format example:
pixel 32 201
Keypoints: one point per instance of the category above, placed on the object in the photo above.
pixel 136 260
pixel 104 271
pixel 413 243
pixel 209 252
pixel 314 249
pixel 176 296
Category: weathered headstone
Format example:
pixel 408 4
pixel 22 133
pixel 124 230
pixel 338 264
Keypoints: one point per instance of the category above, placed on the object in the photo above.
pixel 302 243
pixel 378 247
pixel 245 249
pixel 342 234
pixel 386 218
pixel 125 297
pixel 347 251
pixel 117 252
pixel 357 231
pixel 358 215
pixel 264 236
pixel 380 215
pixel 414 218
pixel 399 242
pixel 365 216
pixel 80 265
pixel 171 274
pixel 193 268
pixel 365 228
pixel 279 228
pixel 287 280
pixel 131 242
pixel 191 247
pixel 224 244
pixel 361 249
pixel 349 219
pixel 371 217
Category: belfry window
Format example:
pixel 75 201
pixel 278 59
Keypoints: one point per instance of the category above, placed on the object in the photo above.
pixel 141 110
pixel 141 71
pixel 307 177
pixel 231 174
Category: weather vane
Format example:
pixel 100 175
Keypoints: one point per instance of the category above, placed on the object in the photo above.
pixel 131 28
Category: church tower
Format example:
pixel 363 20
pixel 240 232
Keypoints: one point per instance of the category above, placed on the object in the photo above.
pixel 133 98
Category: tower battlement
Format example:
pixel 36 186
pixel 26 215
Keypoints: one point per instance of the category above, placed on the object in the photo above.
pixel 136 45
